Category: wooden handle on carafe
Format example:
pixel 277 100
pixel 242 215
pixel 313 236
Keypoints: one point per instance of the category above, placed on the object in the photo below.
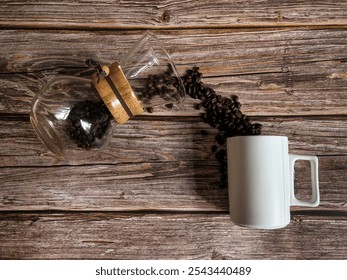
pixel 116 92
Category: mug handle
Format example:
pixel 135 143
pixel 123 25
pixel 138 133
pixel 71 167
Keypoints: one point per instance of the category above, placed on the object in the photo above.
pixel 314 201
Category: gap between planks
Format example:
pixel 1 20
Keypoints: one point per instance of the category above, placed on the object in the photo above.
pixel 298 211
pixel 238 27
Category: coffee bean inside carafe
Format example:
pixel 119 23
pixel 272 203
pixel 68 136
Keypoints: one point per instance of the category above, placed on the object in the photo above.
pixel 88 122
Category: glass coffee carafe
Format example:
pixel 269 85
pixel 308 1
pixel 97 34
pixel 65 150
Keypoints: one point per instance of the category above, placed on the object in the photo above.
pixel 73 115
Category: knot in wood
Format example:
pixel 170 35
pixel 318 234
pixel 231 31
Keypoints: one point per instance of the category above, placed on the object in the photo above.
pixel 165 17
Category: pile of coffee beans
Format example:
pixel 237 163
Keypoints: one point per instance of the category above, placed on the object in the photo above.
pixel 87 123
pixel 162 85
pixel 222 113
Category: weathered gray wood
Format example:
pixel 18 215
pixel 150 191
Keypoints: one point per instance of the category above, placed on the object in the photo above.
pixel 170 14
pixel 279 72
pixel 170 236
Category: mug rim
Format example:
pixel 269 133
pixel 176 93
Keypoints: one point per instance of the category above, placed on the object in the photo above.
pixel 257 136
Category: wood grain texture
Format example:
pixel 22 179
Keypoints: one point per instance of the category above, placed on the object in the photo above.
pixel 217 51
pixel 154 193
pixel 168 186
pixel 170 14
pixel 152 236
pixel 278 72
pixel 146 167
pixel 157 139
pixel 260 94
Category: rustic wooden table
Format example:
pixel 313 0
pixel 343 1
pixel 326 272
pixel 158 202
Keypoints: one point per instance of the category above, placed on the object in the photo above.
pixel 155 193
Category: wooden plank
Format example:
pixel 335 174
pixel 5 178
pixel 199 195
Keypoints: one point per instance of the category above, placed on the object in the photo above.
pixel 170 14
pixel 217 51
pixel 278 72
pixel 147 167
pixel 172 139
pixel 310 93
pixel 151 236
pixel 169 186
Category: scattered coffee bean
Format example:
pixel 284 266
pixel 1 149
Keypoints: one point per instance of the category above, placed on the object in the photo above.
pixel 163 85
pixel 197 106
pixel 150 110
pixel 204 132
pixel 220 139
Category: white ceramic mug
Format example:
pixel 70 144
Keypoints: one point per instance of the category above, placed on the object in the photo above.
pixel 261 181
